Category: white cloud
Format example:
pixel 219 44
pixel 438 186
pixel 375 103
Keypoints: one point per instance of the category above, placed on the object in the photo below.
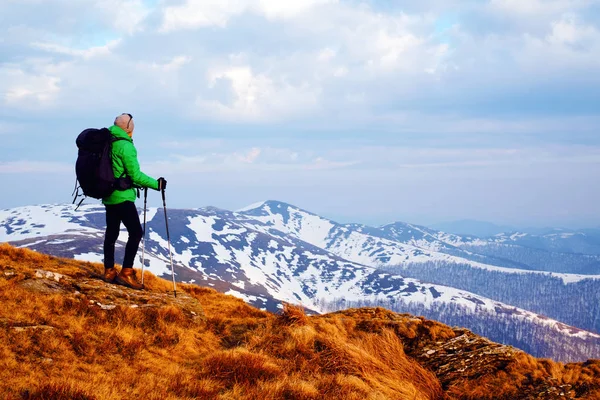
pixel 94 51
pixel 386 159
pixel 321 163
pixel 394 51
pixel 200 13
pixel 123 15
pixel 565 53
pixel 171 66
pixel 568 31
pixel 428 179
pixel 327 54
pixel 28 89
pixel 258 159
pixel 256 96
pixel 251 156
pixel 537 7
pixel 203 13
pixel 249 89
pixel 198 143
pixel 332 60
pixel 25 166
pixel 273 9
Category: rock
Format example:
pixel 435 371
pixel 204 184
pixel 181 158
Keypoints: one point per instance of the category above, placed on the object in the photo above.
pixel 40 273
pixel 106 306
pixel 43 286
pixel 32 327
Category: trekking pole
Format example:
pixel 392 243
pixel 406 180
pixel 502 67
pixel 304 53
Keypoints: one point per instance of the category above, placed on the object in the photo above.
pixel 144 242
pixel 169 242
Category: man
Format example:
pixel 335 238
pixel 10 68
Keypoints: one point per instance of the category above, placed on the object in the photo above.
pixel 120 206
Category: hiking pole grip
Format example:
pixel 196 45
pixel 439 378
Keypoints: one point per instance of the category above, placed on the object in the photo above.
pixel 169 242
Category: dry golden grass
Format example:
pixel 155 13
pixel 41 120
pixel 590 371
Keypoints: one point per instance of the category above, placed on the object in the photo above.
pixel 70 348
pixel 56 342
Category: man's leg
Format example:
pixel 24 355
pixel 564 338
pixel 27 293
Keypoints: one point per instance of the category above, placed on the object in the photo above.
pixel 131 220
pixel 113 225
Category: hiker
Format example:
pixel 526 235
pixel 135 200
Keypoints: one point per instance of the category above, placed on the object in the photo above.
pixel 120 206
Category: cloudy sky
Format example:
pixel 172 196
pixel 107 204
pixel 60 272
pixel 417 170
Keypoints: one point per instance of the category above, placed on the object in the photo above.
pixel 370 111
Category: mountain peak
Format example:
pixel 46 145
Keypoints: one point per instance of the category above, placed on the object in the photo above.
pixel 273 205
pixel 252 206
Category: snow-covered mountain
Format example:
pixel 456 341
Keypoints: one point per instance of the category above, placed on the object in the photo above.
pixel 400 243
pixel 275 252
pixel 505 272
pixel 390 245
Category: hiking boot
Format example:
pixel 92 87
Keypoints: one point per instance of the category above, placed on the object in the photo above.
pixel 110 274
pixel 127 278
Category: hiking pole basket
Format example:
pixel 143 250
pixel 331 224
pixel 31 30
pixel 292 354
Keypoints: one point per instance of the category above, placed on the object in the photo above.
pixel 144 241
pixel 169 242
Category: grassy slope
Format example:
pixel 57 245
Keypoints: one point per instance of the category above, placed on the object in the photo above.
pixel 71 336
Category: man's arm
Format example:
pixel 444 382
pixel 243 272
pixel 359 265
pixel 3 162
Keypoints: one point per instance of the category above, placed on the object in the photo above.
pixel 132 168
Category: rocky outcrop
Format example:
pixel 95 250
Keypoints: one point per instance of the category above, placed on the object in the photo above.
pixel 465 363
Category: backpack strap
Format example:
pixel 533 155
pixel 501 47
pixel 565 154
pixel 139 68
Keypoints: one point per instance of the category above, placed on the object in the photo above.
pixel 124 174
pixel 116 139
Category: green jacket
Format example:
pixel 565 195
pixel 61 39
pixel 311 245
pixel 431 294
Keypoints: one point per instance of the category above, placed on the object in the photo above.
pixel 124 159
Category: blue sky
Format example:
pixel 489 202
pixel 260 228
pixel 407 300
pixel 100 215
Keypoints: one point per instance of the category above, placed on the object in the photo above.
pixel 369 111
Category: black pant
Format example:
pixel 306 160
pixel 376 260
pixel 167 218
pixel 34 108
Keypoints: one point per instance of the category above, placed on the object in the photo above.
pixel 128 214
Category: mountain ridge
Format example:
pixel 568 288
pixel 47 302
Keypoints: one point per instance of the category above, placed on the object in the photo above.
pixel 472 227
pixel 435 242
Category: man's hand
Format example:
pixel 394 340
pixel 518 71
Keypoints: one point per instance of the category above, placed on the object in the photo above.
pixel 162 183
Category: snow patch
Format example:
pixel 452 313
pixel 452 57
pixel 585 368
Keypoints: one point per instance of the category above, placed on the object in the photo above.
pixel 90 257
pixel 247 298
pixel 251 207
pixel 35 221
pixel 150 214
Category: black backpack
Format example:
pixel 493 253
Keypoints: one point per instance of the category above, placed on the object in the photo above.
pixel 94 165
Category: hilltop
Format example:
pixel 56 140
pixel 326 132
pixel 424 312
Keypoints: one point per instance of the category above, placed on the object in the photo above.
pixel 65 334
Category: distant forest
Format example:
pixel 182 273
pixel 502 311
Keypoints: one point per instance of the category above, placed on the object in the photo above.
pixel 576 304
pixel 550 260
